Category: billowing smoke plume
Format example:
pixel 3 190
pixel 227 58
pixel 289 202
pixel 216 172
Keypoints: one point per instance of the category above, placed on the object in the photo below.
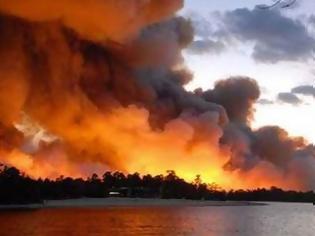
pixel 93 85
pixel 237 95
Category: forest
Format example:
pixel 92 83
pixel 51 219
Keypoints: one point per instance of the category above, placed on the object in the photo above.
pixel 17 188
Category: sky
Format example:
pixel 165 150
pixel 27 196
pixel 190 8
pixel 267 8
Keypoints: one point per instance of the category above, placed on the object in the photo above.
pixel 274 47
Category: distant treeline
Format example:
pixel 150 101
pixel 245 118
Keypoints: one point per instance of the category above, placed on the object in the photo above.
pixel 18 188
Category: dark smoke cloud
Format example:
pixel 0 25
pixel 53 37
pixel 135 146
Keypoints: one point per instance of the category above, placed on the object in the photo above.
pixel 93 83
pixel 306 90
pixel 274 145
pixel 239 137
pixel 205 40
pixel 202 26
pixel 206 46
pixel 168 38
pixel 276 37
pixel 290 98
pixel 264 101
pixel 237 96
pixel 84 81
pixel 290 157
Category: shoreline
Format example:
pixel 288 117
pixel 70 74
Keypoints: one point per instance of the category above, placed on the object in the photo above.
pixel 126 202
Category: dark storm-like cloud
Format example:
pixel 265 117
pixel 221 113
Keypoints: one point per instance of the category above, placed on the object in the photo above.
pixel 306 90
pixel 206 46
pixel 289 98
pixel 206 40
pixel 275 37
pixel 311 19
pixel 203 28
pixel 264 101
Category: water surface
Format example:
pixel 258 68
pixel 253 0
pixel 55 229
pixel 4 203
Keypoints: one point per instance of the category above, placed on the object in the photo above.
pixel 275 219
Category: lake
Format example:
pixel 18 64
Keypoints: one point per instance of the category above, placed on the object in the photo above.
pixel 275 219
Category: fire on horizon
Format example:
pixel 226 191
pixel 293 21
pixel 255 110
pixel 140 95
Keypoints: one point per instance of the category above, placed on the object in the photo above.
pixel 88 86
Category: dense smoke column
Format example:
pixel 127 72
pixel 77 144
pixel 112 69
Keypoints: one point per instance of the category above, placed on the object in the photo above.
pixel 104 90
pixel 72 81
pixel 269 146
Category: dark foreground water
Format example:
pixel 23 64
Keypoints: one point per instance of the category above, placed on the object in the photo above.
pixel 272 220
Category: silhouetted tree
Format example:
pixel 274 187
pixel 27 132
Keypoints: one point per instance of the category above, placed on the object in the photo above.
pixel 18 188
